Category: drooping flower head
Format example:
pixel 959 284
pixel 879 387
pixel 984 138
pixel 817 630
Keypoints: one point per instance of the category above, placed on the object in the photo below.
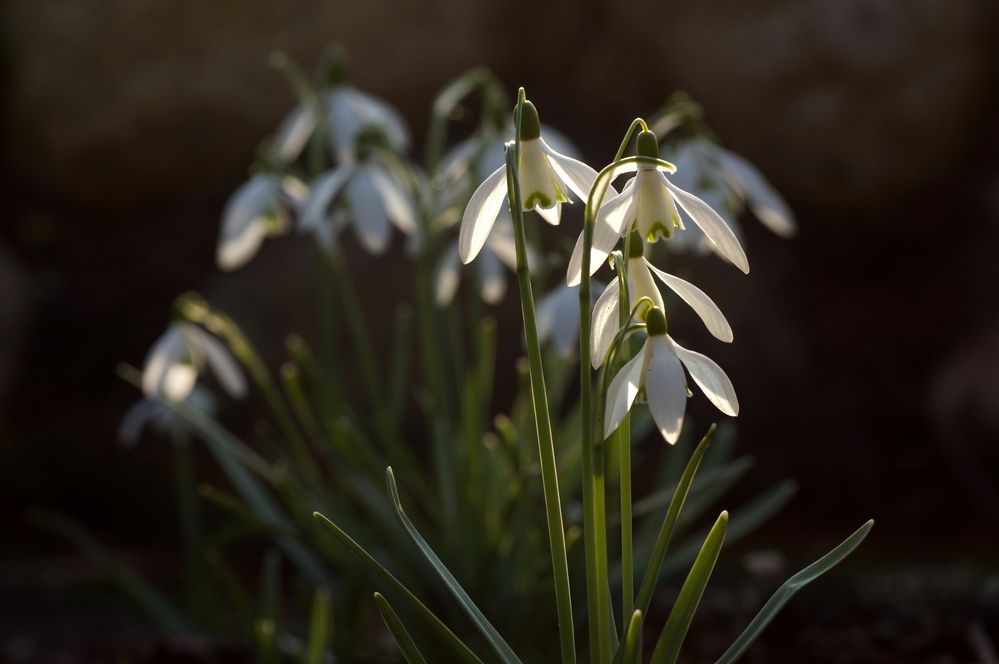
pixel 656 376
pixel 545 177
pixel 260 208
pixel 648 204
pixel 175 361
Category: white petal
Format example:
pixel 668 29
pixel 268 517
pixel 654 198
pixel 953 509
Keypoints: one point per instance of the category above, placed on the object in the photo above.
pixel 714 227
pixel 321 194
pixel 763 199
pixel 492 278
pixel 576 175
pixel 539 186
pixel 612 219
pixel 379 113
pixel 666 389
pixel 350 111
pixel 503 242
pixel 710 378
pixel 566 337
pixel 448 276
pixel 247 219
pixel 622 391
pixel 709 312
pixel 606 322
pixel 371 221
pixel 163 352
pixel 480 214
pixel 219 360
pixel 177 382
pixel 294 132
pixel 552 215
pixel 398 202
pixel 641 283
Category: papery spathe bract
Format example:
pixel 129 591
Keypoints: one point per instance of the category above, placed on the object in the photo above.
pixel 545 178
pixel 656 375
pixel 259 208
pixel 365 193
pixel 175 361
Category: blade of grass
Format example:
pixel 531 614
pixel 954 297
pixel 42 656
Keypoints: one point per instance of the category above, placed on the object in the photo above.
pixel 399 632
pixel 502 648
pixel 671 639
pixel 428 615
pixel 630 650
pixel 669 523
pixel 319 626
pixel 788 590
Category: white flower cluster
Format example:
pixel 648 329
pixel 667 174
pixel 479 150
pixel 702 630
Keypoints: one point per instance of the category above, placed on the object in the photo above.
pixel 647 207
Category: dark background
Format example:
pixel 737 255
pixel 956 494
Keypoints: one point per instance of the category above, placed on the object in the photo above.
pixel 867 349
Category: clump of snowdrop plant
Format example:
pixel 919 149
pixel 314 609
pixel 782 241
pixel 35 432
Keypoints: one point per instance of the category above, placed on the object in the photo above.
pixel 508 508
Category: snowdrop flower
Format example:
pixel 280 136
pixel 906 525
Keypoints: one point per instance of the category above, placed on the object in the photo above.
pixel 729 183
pixel 374 199
pixel 545 178
pixel 557 315
pixel 648 203
pixel 177 358
pixel 499 253
pixel 155 414
pixel 348 113
pixel 656 376
pixel 641 284
pixel 258 209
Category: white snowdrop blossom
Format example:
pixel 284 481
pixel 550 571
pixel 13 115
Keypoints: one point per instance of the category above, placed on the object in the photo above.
pixel 259 208
pixel 546 177
pixel 347 112
pixel 655 375
pixel 175 361
pixel 366 193
pixel 729 183
pixel 558 317
pixel 163 420
pixel 648 203
pixel 498 255
pixel 641 284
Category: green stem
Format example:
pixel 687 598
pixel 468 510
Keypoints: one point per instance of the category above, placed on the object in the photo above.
pixel 624 452
pixel 542 418
pixel 594 509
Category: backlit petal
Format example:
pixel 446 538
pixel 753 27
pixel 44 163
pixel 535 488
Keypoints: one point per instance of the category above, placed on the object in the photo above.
pixel 710 378
pixel 714 227
pixel 666 389
pixel 703 305
pixel 371 221
pixel 606 322
pixel 623 390
pixel 480 214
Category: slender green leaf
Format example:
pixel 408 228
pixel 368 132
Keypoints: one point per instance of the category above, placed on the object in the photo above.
pixel 319 626
pixel 788 590
pixel 155 605
pixel 428 615
pixel 266 632
pixel 399 632
pixel 502 648
pixel 669 523
pixel 671 639
pixel 630 650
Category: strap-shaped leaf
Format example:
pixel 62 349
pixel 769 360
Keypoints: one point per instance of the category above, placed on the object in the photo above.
pixel 319 627
pixel 421 608
pixel 502 648
pixel 790 587
pixel 669 523
pixel 401 636
pixel 630 650
pixel 671 639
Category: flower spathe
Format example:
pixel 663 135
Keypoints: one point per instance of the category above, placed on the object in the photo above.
pixel 656 375
pixel 259 208
pixel 365 192
pixel 648 203
pixel 175 361
pixel 641 284
pixel 545 178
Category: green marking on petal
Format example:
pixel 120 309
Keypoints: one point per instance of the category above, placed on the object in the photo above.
pixel 656 231
pixel 537 199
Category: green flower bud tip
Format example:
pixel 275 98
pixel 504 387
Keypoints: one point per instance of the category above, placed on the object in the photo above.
pixel 655 322
pixel 636 248
pixel 647 145
pixel 530 123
